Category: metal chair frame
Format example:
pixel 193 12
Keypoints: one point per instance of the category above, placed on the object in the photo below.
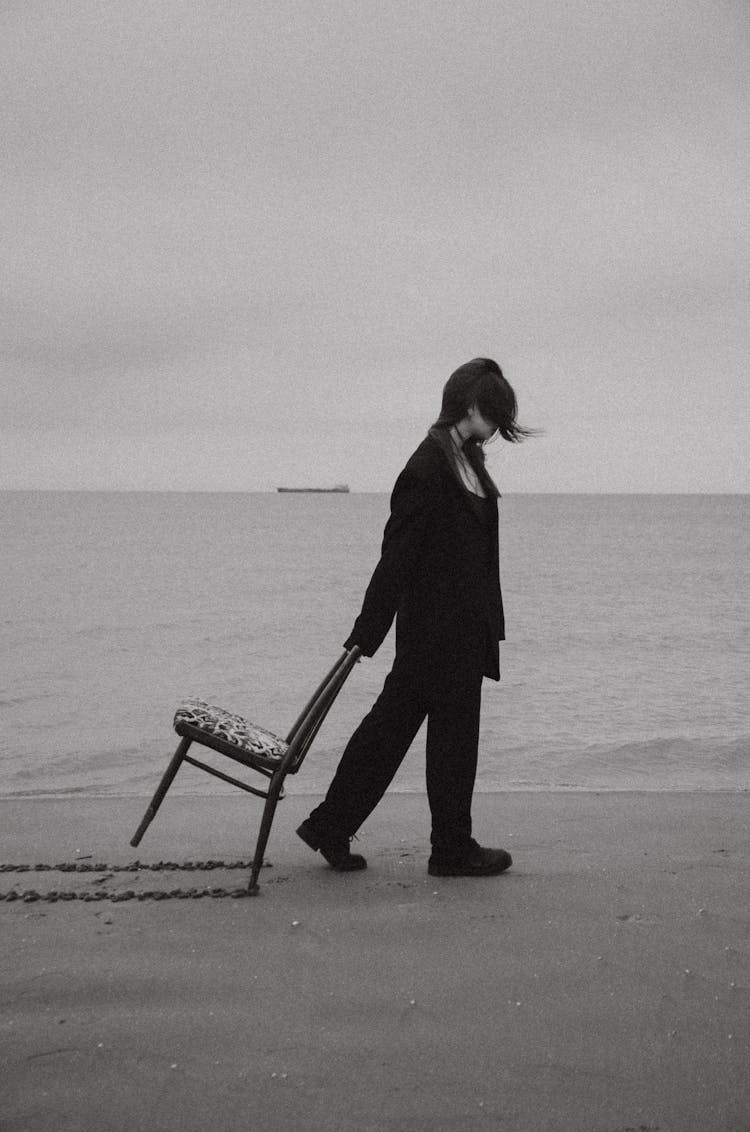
pixel 299 740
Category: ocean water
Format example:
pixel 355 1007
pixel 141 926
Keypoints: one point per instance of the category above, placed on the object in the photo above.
pixel 626 667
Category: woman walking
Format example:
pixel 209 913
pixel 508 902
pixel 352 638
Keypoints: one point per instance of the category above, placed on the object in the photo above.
pixel 438 575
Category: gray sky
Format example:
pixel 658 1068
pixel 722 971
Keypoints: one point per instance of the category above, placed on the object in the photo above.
pixel 245 243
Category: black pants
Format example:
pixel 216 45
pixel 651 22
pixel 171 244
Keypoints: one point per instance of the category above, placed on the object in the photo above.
pixel 377 748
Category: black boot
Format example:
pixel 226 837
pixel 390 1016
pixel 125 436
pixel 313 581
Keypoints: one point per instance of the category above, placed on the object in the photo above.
pixel 473 862
pixel 335 848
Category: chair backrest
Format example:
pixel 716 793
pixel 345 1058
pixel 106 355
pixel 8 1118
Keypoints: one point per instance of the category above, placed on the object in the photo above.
pixel 308 722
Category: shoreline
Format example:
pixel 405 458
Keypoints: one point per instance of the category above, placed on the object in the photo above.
pixel 493 792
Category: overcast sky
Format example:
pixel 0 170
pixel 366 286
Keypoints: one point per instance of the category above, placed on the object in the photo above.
pixel 245 243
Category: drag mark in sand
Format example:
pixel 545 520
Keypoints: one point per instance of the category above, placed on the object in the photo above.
pixel 53 1052
pixel 637 918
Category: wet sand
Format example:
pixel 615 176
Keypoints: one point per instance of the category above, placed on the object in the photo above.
pixel 603 983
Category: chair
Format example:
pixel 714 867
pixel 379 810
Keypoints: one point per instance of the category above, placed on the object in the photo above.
pixel 253 747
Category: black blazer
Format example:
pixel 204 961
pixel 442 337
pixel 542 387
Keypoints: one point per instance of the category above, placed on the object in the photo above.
pixel 438 574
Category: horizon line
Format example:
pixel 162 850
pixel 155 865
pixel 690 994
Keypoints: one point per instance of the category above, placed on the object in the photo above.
pixel 352 491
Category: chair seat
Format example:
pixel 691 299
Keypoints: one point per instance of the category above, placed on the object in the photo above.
pixel 223 730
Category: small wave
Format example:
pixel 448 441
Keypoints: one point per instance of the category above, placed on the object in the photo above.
pixel 718 752
pixel 47 792
pixel 658 763
pixel 22 701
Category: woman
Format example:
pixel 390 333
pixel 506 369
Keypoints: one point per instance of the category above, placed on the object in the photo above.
pixel 438 575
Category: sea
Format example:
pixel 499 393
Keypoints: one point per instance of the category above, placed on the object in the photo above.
pixel 627 663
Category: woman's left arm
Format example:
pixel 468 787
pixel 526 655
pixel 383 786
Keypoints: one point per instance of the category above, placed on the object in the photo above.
pixel 403 539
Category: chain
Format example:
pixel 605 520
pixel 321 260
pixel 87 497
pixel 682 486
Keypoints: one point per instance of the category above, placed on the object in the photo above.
pixel 30 895
pixel 133 867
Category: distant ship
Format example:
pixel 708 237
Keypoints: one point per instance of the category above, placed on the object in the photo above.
pixel 337 487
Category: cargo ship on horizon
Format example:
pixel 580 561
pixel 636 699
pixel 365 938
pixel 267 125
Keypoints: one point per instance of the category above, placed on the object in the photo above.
pixel 338 488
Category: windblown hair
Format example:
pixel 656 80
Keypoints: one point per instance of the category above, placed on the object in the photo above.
pixel 479 382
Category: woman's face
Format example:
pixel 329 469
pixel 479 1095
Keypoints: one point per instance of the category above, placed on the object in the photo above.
pixel 484 430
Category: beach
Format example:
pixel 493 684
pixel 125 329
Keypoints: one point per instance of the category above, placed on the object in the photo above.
pixel 602 983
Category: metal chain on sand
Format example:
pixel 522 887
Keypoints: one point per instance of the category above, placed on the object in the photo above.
pixel 30 895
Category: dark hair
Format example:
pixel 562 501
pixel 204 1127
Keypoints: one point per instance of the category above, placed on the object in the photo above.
pixel 479 382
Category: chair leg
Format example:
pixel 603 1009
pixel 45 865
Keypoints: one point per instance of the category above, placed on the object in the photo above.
pixel 274 791
pixel 161 790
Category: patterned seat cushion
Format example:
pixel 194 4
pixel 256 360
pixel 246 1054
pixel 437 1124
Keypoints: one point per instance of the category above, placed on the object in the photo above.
pixel 218 724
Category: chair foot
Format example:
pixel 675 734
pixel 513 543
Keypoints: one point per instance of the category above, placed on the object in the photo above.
pixel 137 837
pixel 253 888
pixel 135 840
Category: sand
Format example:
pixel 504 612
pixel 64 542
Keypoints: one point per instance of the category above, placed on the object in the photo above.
pixel 603 983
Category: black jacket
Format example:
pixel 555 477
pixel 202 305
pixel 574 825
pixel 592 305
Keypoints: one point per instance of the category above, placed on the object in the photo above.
pixel 438 574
